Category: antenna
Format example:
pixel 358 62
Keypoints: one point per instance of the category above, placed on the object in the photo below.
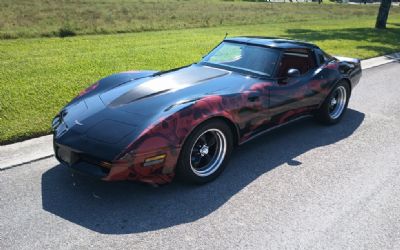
pixel 226 34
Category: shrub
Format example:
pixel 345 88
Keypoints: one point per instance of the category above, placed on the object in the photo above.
pixel 66 31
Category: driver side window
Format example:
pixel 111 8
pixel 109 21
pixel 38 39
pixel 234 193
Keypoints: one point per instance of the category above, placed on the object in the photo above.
pixel 300 59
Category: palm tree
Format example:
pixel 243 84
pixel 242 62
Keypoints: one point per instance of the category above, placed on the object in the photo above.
pixel 383 14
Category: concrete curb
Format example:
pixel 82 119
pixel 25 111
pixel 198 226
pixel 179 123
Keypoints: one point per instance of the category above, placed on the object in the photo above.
pixel 381 60
pixel 36 149
pixel 25 152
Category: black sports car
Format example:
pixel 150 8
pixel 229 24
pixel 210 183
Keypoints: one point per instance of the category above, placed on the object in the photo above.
pixel 149 125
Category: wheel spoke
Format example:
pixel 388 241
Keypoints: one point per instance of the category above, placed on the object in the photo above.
pixel 196 160
pixel 196 150
pixel 211 142
pixel 202 139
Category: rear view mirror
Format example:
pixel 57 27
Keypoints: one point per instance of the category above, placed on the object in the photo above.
pixel 293 73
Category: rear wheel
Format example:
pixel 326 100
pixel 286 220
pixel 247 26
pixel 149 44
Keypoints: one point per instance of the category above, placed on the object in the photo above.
pixel 335 105
pixel 205 152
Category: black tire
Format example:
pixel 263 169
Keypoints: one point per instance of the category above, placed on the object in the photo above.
pixel 192 165
pixel 334 107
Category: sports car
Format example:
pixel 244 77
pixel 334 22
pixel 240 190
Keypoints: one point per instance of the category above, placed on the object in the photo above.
pixel 151 126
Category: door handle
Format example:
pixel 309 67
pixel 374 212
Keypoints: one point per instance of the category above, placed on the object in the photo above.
pixel 253 97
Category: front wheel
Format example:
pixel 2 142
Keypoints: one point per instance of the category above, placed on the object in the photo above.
pixel 335 105
pixel 205 152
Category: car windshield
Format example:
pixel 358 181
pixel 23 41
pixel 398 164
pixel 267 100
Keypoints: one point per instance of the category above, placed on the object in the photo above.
pixel 243 57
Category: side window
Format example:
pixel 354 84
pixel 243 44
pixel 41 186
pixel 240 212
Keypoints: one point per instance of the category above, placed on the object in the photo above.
pixel 322 57
pixel 301 59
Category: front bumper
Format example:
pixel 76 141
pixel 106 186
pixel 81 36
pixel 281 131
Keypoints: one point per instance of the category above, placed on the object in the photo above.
pixel 133 168
pixel 81 163
pixel 88 169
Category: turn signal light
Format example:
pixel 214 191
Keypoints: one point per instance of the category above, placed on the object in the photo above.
pixel 105 164
pixel 154 160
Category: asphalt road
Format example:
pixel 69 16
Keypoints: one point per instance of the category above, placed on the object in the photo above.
pixel 303 186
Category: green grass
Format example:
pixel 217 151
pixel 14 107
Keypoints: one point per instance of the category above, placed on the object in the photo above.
pixel 44 18
pixel 40 75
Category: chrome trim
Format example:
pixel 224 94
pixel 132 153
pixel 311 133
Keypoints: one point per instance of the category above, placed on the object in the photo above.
pixel 338 103
pixel 217 158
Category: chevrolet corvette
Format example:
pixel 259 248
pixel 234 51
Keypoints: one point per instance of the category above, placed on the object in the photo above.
pixel 151 126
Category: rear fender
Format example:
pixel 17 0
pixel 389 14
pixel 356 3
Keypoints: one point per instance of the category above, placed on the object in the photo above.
pixel 350 68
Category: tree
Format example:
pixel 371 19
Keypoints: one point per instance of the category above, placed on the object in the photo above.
pixel 383 14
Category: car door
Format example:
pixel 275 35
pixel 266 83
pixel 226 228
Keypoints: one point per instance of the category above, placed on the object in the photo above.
pixel 289 96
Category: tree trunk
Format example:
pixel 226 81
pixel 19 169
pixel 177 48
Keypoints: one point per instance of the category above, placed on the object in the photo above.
pixel 383 14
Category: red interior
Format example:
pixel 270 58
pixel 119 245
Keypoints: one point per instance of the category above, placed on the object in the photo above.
pixel 303 62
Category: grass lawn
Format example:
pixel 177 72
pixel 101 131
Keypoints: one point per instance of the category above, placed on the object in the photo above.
pixel 44 18
pixel 38 76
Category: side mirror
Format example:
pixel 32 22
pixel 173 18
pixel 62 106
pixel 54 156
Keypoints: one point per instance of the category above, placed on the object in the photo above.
pixel 293 73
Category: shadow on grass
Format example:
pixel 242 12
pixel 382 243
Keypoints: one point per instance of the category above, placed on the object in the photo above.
pixel 389 38
pixel 394 56
pixel 129 207
pixel 382 51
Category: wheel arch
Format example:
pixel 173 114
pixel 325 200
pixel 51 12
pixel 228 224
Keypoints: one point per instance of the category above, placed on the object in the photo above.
pixel 179 168
pixel 233 127
pixel 346 80
pixel 342 79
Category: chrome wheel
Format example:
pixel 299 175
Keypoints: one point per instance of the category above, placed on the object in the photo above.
pixel 337 102
pixel 208 152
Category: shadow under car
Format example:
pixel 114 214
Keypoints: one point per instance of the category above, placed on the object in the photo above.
pixel 130 207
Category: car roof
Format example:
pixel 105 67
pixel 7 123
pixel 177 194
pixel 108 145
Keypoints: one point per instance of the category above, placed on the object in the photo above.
pixel 273 42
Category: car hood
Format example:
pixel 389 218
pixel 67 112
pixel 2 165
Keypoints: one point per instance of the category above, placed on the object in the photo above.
pixel 146 95
pixel 103 124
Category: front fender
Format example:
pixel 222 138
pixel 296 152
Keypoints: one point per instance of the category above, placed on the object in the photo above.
pixel 168 133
